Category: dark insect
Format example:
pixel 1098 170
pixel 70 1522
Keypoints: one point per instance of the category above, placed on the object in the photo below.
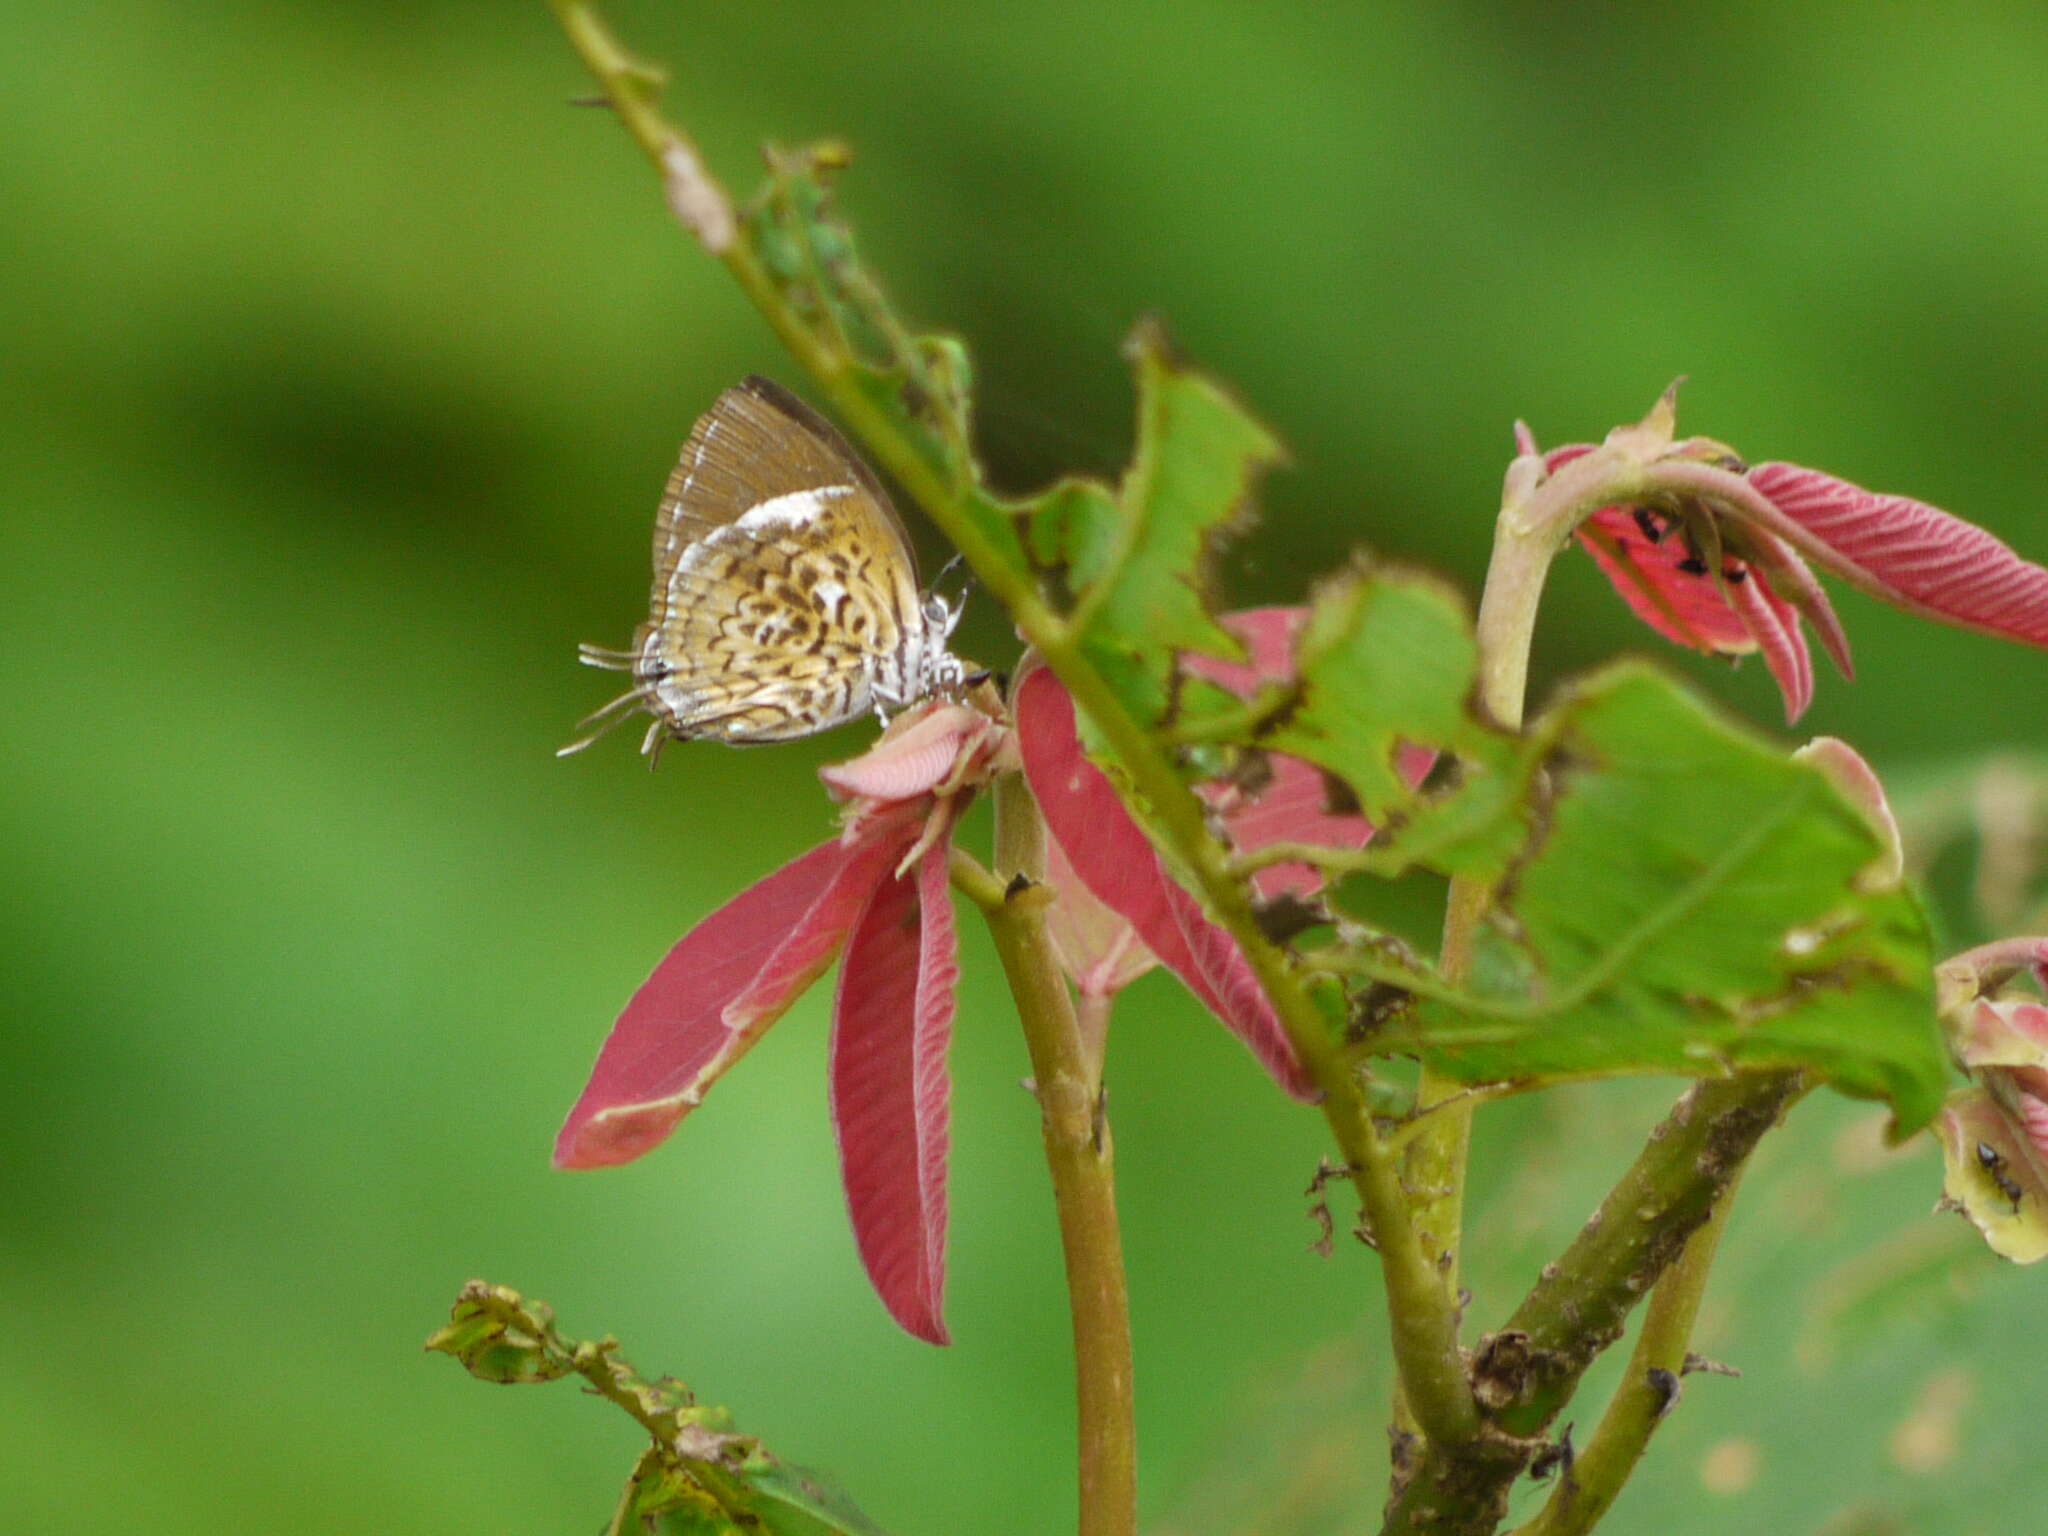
pixel 1992 1161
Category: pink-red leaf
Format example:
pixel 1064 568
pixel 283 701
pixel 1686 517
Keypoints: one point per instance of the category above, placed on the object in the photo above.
pixel 1911 555
pixel 891 1025
pixel 1775 624
pixel 1779 563
pixel 1096 947
pixel 711 998
pixel 808 948
pixel 1117 862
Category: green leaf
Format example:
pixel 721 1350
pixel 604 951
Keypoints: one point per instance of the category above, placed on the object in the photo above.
pixel 1139 577
pixel 697 1477
pixel 1073 531
pixel 1691 900
pixel 1387 660
pixel 796 1502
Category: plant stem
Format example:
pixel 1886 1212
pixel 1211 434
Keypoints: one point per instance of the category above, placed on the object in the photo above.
pixel 1648 1391
pixel 1434 1168
pixel 1082 1160
pixel 1528 1370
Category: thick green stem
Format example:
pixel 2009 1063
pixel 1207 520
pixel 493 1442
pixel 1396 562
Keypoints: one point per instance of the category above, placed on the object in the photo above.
pixel 1648 1390
pixel 1082 1159
pixel 1527 1371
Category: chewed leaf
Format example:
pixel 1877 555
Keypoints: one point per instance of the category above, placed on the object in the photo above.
pixel 695 1474
pixel 1140 579
pixel 890 1094
pixel 1382 679
pixel 1693 901
pixel 1285 799
pixel 1073 531
pixel 1910 554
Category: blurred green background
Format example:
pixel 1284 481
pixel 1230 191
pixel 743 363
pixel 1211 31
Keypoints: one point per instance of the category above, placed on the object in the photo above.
pixel 343 363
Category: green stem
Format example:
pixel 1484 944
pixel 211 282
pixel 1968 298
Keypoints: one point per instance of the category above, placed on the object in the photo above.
pixel 1528 1370
pixel 1082 1160
pixel 1527 537
pixel 1648 1390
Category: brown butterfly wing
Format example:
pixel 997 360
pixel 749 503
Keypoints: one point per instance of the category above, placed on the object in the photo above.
pixel 758 441
pixel 763 627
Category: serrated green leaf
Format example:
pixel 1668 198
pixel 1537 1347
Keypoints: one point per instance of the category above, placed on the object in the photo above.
pixel 499 1337
pixel 1386 660
pixel 1692 900
pixel 1072 529
pixel 1139 581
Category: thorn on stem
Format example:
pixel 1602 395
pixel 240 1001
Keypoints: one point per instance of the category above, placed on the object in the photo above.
pixel 1700 1363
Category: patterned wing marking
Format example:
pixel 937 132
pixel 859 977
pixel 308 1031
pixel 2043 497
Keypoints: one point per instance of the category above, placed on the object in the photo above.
pixel 798 627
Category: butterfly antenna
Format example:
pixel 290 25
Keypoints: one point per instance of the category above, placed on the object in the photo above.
pixel 606 659
pixel 948 569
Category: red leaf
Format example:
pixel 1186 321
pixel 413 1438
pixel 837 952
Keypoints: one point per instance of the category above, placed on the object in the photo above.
pixel 809 948
pixel 712 997
pixel 1116 861
pixel 1791 580
pixel 1292 808
pixel 1775 625
pixel 1738 612
pixel 1912 555
pixel 891 1025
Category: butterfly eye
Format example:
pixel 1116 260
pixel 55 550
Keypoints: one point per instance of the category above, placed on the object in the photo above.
pixel 941 615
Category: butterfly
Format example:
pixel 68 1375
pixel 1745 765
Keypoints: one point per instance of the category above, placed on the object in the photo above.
pixel 785 594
